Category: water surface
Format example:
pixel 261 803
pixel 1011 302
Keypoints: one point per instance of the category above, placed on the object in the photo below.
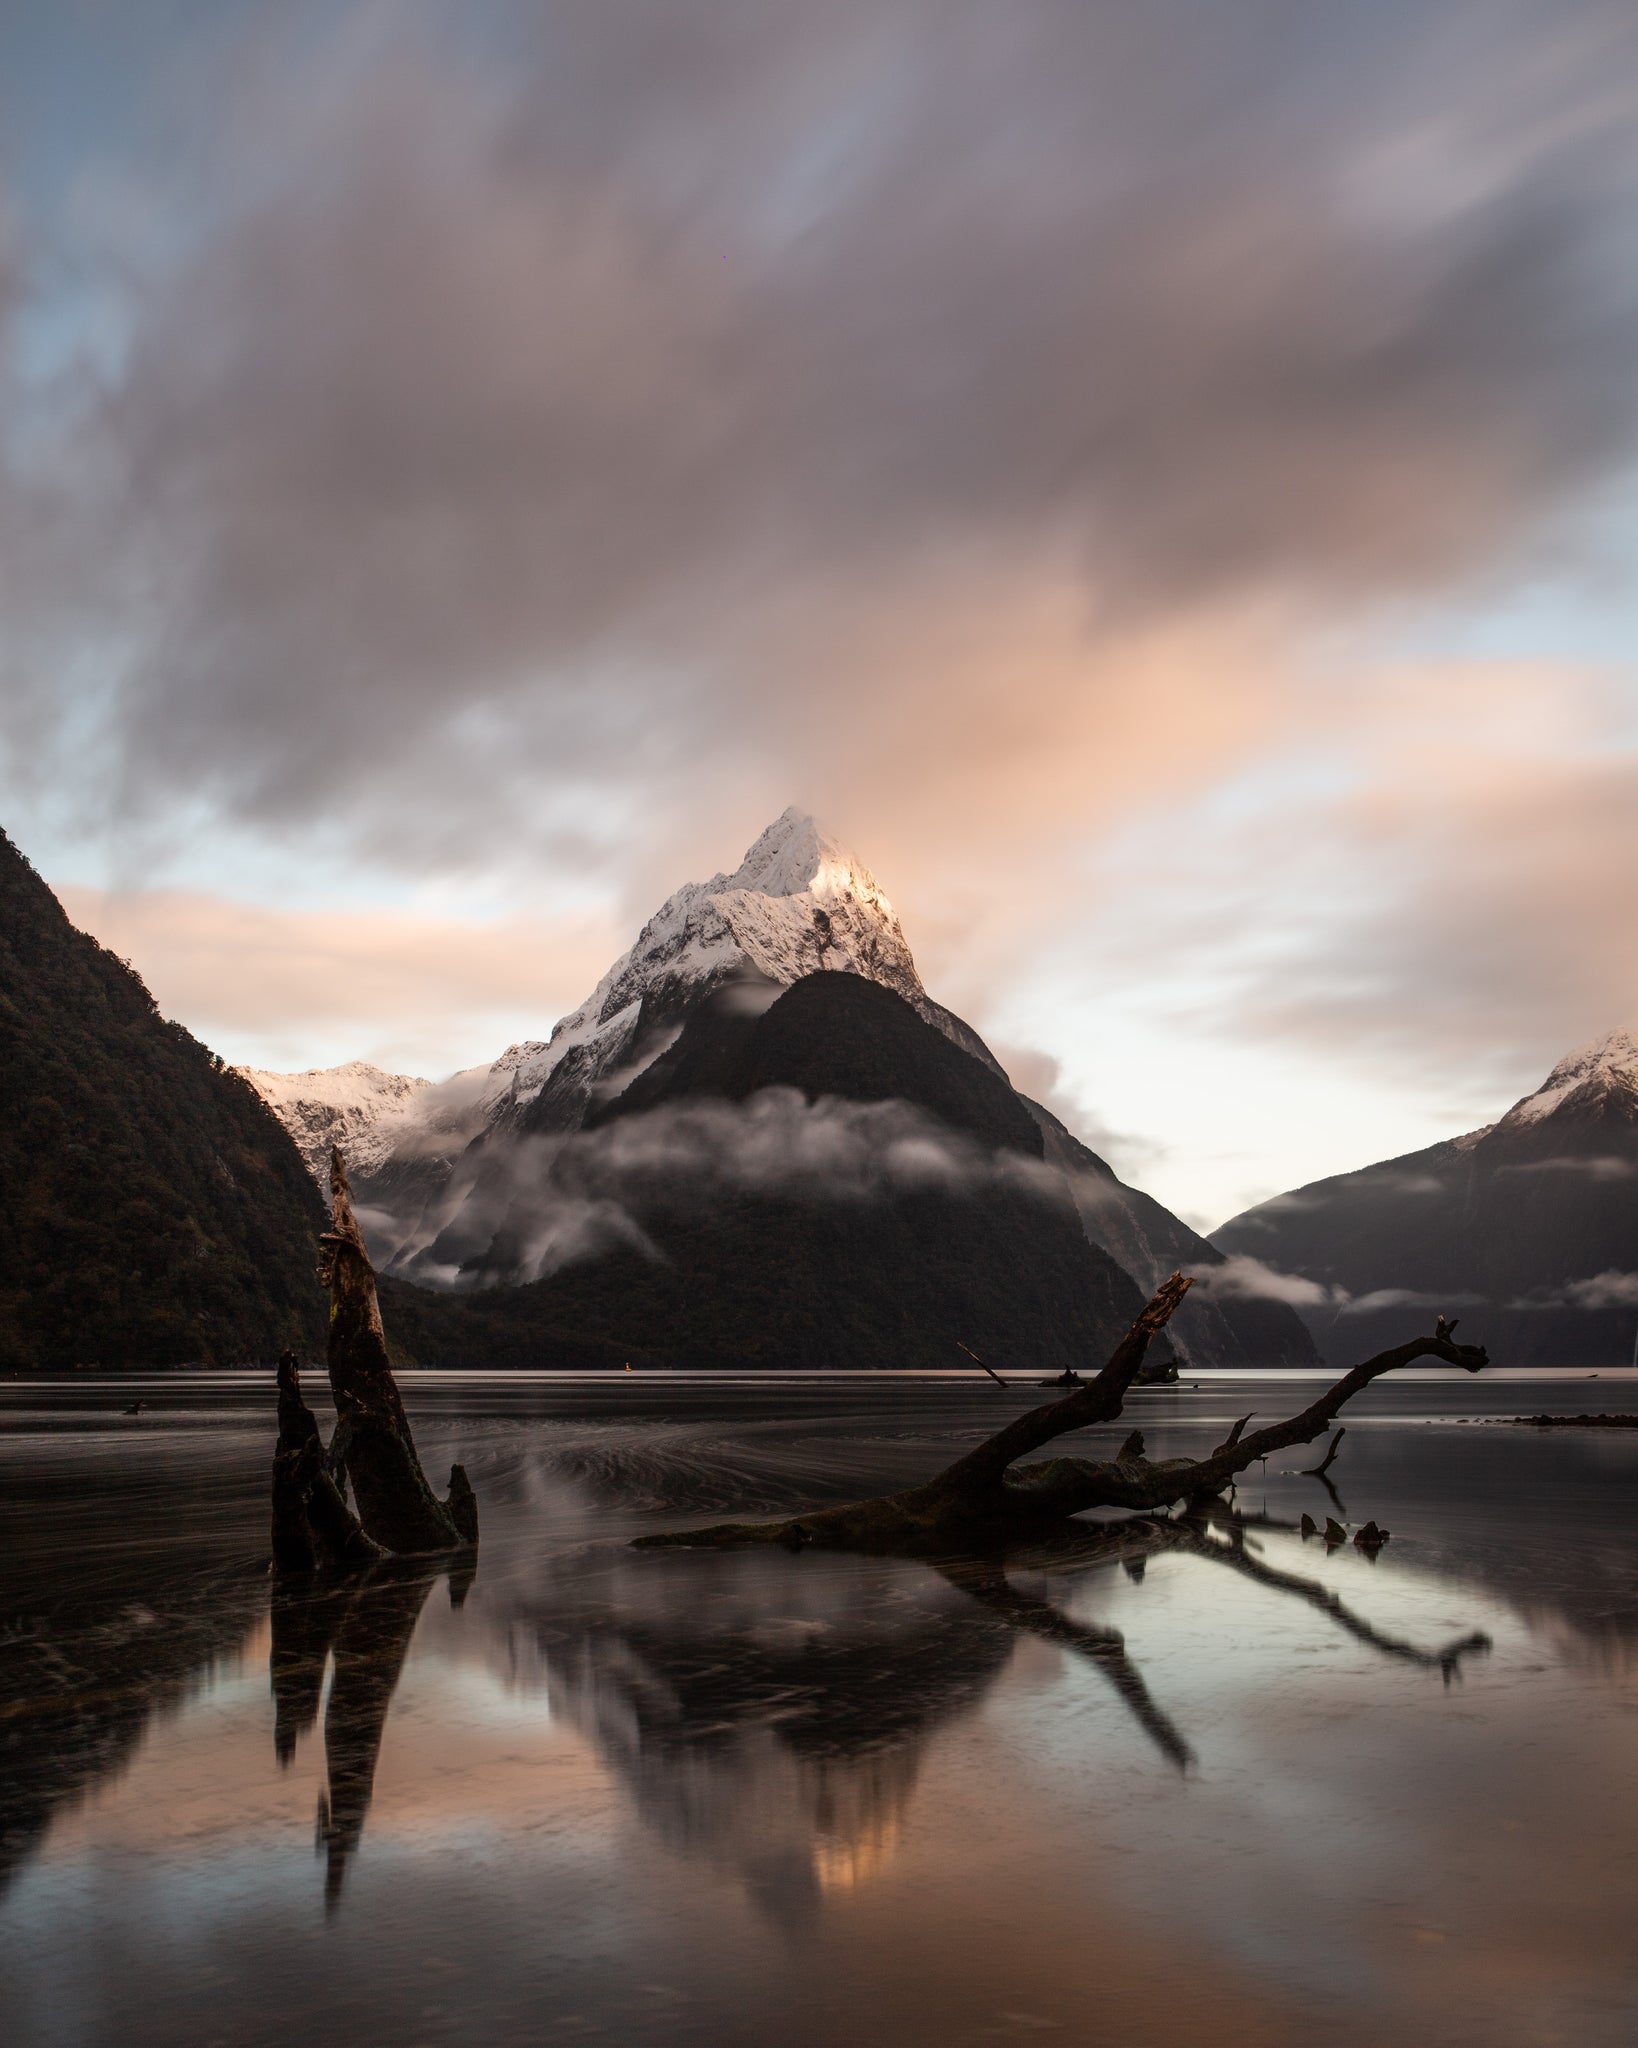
pixel 1244 1790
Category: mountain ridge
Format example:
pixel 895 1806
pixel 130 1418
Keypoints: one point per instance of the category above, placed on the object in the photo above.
pixel 1529 1225
pixel 152 1209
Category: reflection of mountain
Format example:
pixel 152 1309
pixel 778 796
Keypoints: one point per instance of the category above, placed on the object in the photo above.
pixel 84 1669
pixel 768 1724
pixel 770 1716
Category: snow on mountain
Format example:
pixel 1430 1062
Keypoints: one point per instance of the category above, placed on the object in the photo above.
pixel 371 1115
pixel 1607 1067
pixel 798 902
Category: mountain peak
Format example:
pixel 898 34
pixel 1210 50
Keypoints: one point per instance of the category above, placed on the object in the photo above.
pixel 1607 1065
pixel 796 856
pixel 799 902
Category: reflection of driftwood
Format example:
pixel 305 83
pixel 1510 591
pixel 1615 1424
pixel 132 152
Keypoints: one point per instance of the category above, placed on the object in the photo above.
pixel 982 1496
pixel 1105 1648
pixel 369 1655
pixel 1197 1542
pixel 1212 1533
pixel 365 1626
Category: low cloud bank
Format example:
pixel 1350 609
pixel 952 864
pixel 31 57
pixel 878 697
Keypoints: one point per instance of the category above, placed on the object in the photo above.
pixel 1610 1289
pixel 1247 1279
pixel 1606 1166
pixel 528 1209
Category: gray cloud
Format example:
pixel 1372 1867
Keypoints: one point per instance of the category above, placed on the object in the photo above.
pixel 1610 1289
pixel 1243 1278
pixel 1605 1290
pixel 1486 875
pixel 1603 1167
pixel 1246 1278
pixel 535 410
pixel 559 1200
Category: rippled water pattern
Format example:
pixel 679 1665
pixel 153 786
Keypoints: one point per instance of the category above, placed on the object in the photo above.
pixel 1245 1791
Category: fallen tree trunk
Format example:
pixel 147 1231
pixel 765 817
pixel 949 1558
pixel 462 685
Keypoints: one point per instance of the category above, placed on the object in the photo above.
pixel 980 1497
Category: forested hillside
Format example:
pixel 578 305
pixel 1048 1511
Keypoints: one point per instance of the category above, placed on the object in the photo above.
pixel 152 1208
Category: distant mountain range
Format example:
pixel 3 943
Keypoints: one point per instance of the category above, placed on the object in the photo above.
pixel 1528 1228
pixel 759 1137
pixel 151 1210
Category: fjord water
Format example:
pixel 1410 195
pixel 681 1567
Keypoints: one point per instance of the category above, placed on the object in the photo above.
pixel 682 1797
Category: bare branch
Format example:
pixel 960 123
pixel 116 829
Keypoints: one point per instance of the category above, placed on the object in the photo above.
pixel 973 1355
pixel 1097 1401
pixel 1319 1471
pixel 1233 1436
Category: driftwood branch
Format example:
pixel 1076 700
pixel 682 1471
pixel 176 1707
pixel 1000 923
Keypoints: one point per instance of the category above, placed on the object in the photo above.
pixel 313 1527
pixel 1319 1471
pixel 988 1493
pixel 1098 1401
pixel 973 1355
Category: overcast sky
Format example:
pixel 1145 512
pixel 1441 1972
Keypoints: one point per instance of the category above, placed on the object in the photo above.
pixel 1157 478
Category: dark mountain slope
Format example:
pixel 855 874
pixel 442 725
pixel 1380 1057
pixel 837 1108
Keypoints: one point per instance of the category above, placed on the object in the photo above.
pixel 152 1209
pixel 833 1034
pixel 1529 1228
pixel 1149 1242
pixel 790 1271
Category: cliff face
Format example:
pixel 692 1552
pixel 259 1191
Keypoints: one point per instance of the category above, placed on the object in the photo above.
pixel 153 1210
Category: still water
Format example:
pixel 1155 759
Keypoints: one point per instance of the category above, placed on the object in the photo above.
pixel 1241 1790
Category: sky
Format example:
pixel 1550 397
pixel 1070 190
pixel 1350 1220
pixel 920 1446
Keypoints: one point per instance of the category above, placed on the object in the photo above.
pixel 1158 478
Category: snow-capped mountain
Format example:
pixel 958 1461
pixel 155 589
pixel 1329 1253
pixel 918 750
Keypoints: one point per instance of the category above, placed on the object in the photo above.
pixel 372 1115
pixel 1595 1081
pixel 1528 1225
pixel 447 1174
pixel 798 902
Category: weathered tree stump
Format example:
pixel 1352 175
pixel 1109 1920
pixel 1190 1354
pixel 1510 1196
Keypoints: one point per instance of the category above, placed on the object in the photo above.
pixel 373 1449
pixel 313 1527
